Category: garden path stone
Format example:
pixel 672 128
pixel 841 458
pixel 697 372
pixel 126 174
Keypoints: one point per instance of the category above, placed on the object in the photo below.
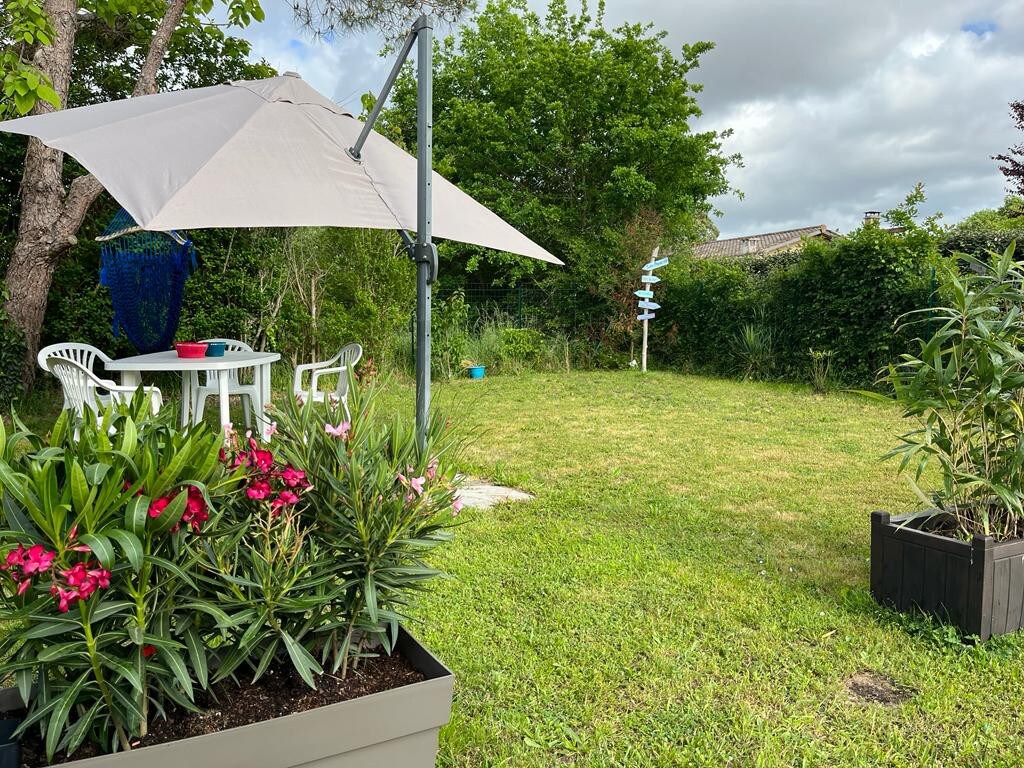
pixel 479 494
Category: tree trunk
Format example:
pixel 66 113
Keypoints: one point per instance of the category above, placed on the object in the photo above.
pixel 49 216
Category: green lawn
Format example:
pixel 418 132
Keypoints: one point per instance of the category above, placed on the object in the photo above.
pixel 690 587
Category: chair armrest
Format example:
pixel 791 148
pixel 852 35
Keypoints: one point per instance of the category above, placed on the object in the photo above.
pixel 315 378
pixel 301 369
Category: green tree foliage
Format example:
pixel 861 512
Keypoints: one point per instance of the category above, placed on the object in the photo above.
pixel 990 230
pixel 573 133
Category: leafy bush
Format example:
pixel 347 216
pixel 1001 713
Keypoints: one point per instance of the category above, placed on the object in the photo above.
pixel 142 563
pixel 821 369
pixel 988 230
pixel 520 347
pixel 964 389
pixel 449 334
pixel 102 536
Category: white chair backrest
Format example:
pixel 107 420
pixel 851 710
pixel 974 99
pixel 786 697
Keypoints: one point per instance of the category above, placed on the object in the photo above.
pixel 83 354
pixel 230 345
pixel 348 357
pixel 77 381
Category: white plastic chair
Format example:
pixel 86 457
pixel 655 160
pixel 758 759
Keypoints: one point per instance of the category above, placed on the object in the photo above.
pixel 81 387
pixel 346 358
pixel 249 393
pixel 86 356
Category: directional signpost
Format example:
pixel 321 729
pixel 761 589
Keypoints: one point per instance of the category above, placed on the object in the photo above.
pixel 646 296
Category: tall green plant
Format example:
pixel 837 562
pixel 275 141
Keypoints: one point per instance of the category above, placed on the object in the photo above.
pixel 965 389
pixel 99 533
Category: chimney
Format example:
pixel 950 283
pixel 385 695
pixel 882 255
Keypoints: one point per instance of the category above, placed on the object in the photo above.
pixel 872 217
pixel 749 245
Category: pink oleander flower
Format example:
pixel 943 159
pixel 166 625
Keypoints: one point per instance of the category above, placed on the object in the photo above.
pixel 259 458
pixel 285 498
pixel 270 430
pixel 432 468
pixel 294 478
pixel 456 505
pixel 401 478
pixel 259 489
pixel 65 598
pixel 417 485
pixel 23 586
pixel 37 560
pixel 339 432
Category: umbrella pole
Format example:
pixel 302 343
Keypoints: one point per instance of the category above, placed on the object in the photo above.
pixel 426 253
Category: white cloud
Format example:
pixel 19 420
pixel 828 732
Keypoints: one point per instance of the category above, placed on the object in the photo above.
pixel 838 107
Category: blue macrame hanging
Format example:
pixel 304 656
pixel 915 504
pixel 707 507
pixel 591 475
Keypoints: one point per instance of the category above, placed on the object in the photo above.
pixel 146 273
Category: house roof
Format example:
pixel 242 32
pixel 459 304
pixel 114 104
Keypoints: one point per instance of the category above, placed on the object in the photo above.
pixel 768 242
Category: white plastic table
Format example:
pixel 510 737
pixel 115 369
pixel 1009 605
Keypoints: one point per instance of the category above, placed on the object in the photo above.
pixel 131 369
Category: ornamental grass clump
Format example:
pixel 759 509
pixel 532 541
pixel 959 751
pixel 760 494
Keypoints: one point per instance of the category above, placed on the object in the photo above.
pixel 965 389
pixel 141 564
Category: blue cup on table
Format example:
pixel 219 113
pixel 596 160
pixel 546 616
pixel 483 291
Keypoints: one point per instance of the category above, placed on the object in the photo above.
pixel 215 349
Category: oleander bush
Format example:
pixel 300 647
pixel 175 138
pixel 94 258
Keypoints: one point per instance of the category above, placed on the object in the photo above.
pixel 964 388
pixel 142 563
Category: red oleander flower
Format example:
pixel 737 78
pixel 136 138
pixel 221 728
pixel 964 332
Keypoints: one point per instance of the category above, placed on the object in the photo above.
pixel 157 506
pixel 195 509
pixel 148 650
pixel 37 560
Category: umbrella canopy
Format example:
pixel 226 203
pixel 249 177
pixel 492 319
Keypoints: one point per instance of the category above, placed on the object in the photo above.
pixel 259 153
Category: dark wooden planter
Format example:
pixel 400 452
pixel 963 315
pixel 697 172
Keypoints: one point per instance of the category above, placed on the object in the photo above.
pixel 978 586
pixel 392 728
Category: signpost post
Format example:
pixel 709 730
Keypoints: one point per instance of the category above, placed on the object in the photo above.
pixel 646 295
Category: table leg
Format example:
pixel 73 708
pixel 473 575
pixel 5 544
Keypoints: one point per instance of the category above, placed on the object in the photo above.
pixel 264 390
pixel 222 395
pixel 131 379
pixel 186 398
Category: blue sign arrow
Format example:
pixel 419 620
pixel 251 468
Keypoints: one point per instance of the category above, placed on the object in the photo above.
pixel 645 304
pixel 644 294
pixel 645 316
pixel 656 264
pixel 650 279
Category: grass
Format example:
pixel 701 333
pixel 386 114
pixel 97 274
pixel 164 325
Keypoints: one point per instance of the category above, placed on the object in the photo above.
pixel 690 586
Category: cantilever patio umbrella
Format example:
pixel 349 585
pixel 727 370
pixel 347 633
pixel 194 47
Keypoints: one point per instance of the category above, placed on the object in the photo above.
pixel 276 152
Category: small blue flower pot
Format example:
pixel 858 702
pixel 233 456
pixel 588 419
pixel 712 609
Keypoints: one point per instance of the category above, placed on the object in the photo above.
pixel 476 371
pixel 215 349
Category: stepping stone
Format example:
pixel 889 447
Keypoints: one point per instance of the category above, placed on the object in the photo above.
pixel 478 494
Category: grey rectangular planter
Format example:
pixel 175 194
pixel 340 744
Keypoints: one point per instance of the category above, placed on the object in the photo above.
pixel 392 728
pixel 977 585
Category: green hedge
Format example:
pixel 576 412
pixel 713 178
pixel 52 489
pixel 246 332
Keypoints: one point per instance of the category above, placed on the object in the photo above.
pixel 842 296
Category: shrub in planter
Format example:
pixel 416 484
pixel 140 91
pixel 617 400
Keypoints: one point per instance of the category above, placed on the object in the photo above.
pixel 100 535
pixel 150 571
pixel 965 391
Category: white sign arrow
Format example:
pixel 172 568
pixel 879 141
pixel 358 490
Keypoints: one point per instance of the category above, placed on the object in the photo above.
pixel 650 279
pixel 645 316
pixel 644 294
pixel 656 264
pixel 645 304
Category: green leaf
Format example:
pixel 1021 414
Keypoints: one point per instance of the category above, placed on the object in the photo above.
pixel 171 515
pixel 55 727
pixel 49 629
pixel 100 546
pixel 79 488
pixel 303 662
pixel 79 730
pixel 130 545
pixel 177 666
pixel 135 515
pixel 197 655
pixel 124 669
pixel 167 565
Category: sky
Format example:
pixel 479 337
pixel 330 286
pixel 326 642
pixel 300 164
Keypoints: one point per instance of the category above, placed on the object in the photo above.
pixel 837 107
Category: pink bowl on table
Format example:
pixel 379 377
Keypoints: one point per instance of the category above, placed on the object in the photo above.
pixel 190 348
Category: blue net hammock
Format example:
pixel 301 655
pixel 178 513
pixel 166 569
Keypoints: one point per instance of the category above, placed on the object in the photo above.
pixel 146 273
